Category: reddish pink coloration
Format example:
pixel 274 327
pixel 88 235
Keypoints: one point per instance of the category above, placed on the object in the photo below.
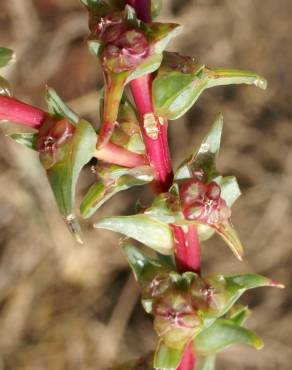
pixel 116 154
pixel 157 149
pixel 54 134
pixel 19 112
pixel 203 202
pixel 159 158
pixel 189 359
pixel 187 249
pixel 142 8
pixel 126 52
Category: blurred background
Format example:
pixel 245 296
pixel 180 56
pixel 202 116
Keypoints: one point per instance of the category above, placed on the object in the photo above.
pixel 69 307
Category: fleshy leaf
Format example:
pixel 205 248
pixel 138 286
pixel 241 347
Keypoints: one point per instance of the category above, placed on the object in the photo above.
pixel 5 88
pixel 102 7
pixel 167 358
pixel 239 314
pixel 222 334
pixel 103 190
pixel 204 160
pixel 6 56
pixel 144 267
pixel 181 80
pixel 153 233
pixel 28 139
pixel 230 190
pixel 58 108
pixel 228 233
pixel 63 174
pixel 226 290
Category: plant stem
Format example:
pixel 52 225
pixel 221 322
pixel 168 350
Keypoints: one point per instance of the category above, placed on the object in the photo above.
pixel 154 130
pixel 187 249
pixel 189 359
pixel 19 112
pixel 116 154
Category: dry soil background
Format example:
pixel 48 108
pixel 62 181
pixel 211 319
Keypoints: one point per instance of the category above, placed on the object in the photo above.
pixel 68 307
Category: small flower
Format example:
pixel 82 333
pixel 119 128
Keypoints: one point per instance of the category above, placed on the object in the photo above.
pixel 204 203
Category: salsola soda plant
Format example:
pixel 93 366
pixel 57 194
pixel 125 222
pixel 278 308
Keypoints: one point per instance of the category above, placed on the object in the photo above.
pixel 195 317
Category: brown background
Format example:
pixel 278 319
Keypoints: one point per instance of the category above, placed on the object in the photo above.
pixel 69 307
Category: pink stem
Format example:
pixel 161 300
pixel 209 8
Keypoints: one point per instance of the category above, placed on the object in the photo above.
pixel 19 112
pixel 116 154
pixel 157 148
pixel 187 251
pixel 189 359
pixel 187 248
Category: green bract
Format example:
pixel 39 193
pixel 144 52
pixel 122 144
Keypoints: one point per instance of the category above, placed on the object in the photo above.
pixel 180 82
pixel 111 181
pixel 6 56
pixel 186 306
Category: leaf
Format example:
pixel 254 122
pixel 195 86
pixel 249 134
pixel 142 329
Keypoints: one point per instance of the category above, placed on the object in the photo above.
pixel 102 191
pixel 204 159
pixel 167 358
pixel 222 334
pixel 27 139
pixel 228 289
pixel 207 363
pixel 228 233
pixel 58 108
pixel 144 267
pixel 63 175
pixel 153 233
pixel 180 81
pixel 6 56
pixel 230 190
pixel 5 88
pixel 239 314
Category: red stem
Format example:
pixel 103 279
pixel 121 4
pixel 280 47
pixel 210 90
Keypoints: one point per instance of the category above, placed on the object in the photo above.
pixel 27 115
pixel 19 112
pixel 116 154
pixel 187 246
pixel 189 359
pixel 157 148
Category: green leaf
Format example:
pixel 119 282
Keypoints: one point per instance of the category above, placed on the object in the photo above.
pixel 144 267
pixel 63 175
pixel 222 334
pixel 6 56
pixel 180 82
pixel 28 139
pixel 117 179
pixel 5 88
pixel 58 108
pixel 167 358
pixel 228 289
pixel 228 233
pixel 207 363
pixel 230 190
pixel 204 158
pixel 239 314
pixel 153 233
